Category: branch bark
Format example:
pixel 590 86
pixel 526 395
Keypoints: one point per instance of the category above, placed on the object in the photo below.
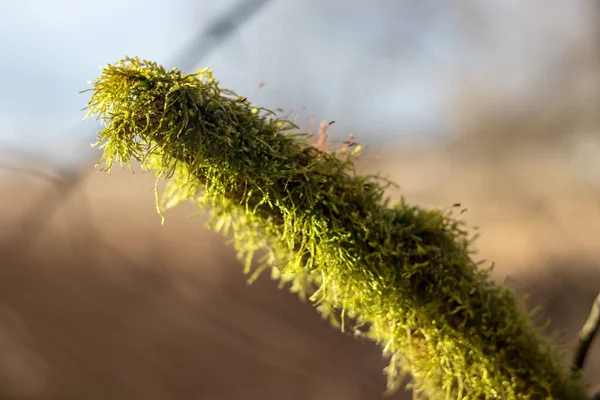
pixel 586 336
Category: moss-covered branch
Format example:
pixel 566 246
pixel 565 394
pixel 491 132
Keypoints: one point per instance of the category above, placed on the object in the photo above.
pixel 403 275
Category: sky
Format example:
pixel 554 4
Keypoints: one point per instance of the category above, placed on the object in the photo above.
pixel 382 69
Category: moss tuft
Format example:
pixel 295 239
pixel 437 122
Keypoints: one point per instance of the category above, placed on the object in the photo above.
pixel 402 275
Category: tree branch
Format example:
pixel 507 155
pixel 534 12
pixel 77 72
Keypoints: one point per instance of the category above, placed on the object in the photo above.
pixel 586 336
pixel 402 273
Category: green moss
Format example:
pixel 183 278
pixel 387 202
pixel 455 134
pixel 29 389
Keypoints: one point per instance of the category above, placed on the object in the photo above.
pixel 402 275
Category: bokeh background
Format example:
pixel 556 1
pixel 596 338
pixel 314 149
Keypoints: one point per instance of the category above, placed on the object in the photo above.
pixel 493 104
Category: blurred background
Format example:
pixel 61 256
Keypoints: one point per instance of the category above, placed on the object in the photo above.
pixel 493 104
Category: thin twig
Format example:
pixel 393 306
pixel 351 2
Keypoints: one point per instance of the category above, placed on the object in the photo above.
pixel 216 33
pixel 37 217
pixel 38 173
pixel 586 336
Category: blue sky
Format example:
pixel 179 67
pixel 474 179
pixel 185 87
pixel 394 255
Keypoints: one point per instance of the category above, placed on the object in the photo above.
pixel 381 69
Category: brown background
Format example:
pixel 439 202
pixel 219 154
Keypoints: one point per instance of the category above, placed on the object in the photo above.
pixel 101 301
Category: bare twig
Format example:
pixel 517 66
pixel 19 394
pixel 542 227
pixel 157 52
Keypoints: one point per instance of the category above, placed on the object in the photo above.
pixel 41 212
pixel 31 171
pixel 216 32
pixel 585 338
